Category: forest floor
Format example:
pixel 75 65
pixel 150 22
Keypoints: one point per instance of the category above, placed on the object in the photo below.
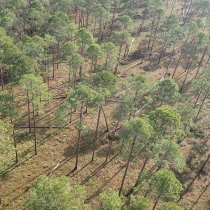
pixel 56 151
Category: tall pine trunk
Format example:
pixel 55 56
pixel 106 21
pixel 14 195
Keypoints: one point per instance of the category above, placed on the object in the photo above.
pixel 154 38
pixel 155 205
pixel 127 165
pixel 14 141
pixel 173 5
pixel 201 106
pixel 96 133
pixel 53 63
pixel 79 138
pixel 2 79
pixel 193 180
pixel 29 112
pixel 139 176
pixel 200 196
pixel 69 79
pixel 151 33
pixel 201 61
pixel 80 72
pixel 106 121
pixel 177 64
pixel 35 137
pixel 162 51
pixel 113 17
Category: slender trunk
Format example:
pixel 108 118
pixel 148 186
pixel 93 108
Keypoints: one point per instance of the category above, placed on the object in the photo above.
pixel 193 180
pixel 185 79
pixel 141 26
pixel 201 62
pixel 162 51
pixel 154 38
pixel 106 63
pixel 58 54
pixel 48 78
pixel 94 28
pixel 169 64
pixel 87 19
pixel 207 63
pixel 69 81
pixel 53 63
pixel 173 5
pixel 14 141
pixel 76 12
pixel 95 64
pixel 120 52
pixel 126 51
pixel 182 12
pixel 70 119
pixel 118 59
pixel 201 106
pixel 196 101
pixel 83 19
pixel 127 165
pixel 189 64
pixel 91 66
pixel 80 72
pixel 74 78
pixel 113 18
pixel 173 49
pixel 96 133
pixel 79 138
pixel 151 33
pixel 35 137
pixel 188 10
pixel 102 33
pixel 139 176
pixel 200 196
pixel 177 64
pixel 79 22
pixel 105 118
pixel 86 108
pixel 155 205
pixel 143 166
pixel 29 112
pixel 2 79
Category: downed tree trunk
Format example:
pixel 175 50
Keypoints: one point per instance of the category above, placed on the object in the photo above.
pixel 39 126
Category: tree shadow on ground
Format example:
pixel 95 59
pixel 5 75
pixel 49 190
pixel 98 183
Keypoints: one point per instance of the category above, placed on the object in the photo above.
pixel 102 152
